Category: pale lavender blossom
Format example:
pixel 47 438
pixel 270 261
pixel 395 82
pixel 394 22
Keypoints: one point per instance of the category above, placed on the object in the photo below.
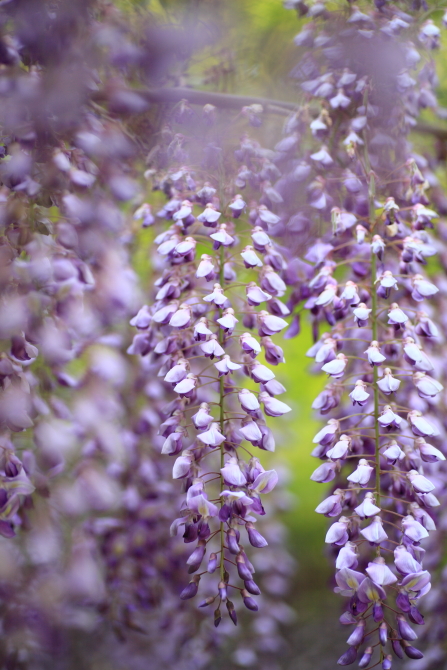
pixel 251 260
pixel 362 474
pixel 217 296
pixel 420 426
pixel 367 508
pixel 206 268
pixel 212 437
pixel 340 449
pixel 232 473
pixel 359 395
pixel 255 294
pixel 212 348
pixel 361 314
pixel 427 386
pixel 347 556
pixel 389 419
pixel 393 452
pixel 336 367
pixel 420 483
pixel 248 401
pixel 396 316
pixel 338 532
pixel 226 366
pixel 375 357
pixel 375 533
pixel 413 529
pixel 388 384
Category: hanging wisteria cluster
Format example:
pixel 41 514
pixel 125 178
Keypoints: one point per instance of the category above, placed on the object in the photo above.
pixel 200 328
pixel 367 75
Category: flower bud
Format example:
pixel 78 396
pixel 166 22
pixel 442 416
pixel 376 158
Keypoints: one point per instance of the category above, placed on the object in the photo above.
pixel 254 536
pixel 249 602
pixel 242 568
pixel 348 657
pixel 231 612
pixel 383 633
pixel 191 590
pixel 356 636
pixel 252 587
pixel 366 658
pixel 217 617
pixel 412 652
pixel 222 588
pixel 212 563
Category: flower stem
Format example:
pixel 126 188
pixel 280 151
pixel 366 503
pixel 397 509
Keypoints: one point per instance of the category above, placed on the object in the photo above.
pixel 374 318
pixel 221 417
pixel 375 386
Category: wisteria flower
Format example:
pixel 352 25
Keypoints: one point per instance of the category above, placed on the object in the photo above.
pixel 326 435
pixel 331 506
pixel 393 452
pixel 202 418
pixel 265 482
pixel 217 296
pixel 340 449
pixel 422 288
pixel 361 474
pixel 248 401
pixel 375 357
pixel 250 344
pixel 206 268
pixel 338 532
pixel 348 581
pixel 367 508
pixel 388 384
pixel 210 216
pixel 232 473
pixel 324 473
pixel 361 314
pixel 273 406
pixel 255 294
pixel 429 453
pixel 226 366
pixel 251 260
pixel 420 426
pixel 336 367
pixel 427 386
pixel 389 419
pixel 396 316
pixel 420 483
pixel 359 395
pixel 347 557
pixel 350 294
pixel 380 573
pixel 182 465
pixel 415 356
pixel 386 283
pixel 375 533
pixel 228 321
pixel 413 529
pixel 185 388
pixel 268 324
pixel 212 437
pixel 212 347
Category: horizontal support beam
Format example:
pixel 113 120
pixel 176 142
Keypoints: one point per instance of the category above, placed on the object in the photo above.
pixel 229 101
